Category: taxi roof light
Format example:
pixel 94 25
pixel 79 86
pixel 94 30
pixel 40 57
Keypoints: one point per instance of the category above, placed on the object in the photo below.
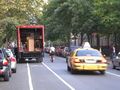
pixel 86 45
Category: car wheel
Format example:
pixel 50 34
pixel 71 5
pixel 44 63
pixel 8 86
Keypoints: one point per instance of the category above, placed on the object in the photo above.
pixel 113 66
pixel 10 73
pixel 68 68
pixel 72 71
pixel 14 70
pixel 102 72
pixel 6 76
pixel 21 60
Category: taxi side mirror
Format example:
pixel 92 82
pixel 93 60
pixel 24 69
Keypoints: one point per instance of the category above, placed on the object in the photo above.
pixel 104 56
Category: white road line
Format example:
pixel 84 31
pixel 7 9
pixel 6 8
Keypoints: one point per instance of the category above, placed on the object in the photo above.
pixel 113 74
pixel 29 78
pixel 68 85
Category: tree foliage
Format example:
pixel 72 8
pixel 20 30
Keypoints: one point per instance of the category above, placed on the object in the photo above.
pixel 18 12
pixel 81 16
pixel 61 17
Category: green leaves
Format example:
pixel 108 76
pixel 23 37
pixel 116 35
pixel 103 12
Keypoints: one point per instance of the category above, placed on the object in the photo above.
pixel 88 16
pixel 18 12
pixel 62 17
pixel 108 11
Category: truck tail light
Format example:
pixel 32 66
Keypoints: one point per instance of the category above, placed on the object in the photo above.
pixel 5 62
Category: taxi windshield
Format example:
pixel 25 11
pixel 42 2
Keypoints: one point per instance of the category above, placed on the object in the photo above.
pixel 88 53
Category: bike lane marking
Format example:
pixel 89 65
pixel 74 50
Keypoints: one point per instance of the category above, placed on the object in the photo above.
pixel 29 78
pixel 113 74
pixel 68 85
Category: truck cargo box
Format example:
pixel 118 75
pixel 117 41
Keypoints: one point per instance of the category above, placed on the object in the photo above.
pixel 30 42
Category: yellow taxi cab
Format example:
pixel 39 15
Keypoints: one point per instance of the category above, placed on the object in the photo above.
pixel 87 59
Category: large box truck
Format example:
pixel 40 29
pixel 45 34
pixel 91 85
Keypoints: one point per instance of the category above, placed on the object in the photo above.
pixel 30 43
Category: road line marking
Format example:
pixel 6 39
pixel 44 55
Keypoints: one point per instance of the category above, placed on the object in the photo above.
pixel 68 85
pixel 113 74
pixel 29 78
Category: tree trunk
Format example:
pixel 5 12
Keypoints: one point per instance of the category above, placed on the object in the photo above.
pixel 115 35
pixel 108 37
pixel 75 40
pixel 68 40
pixel 98 41
pixel 81 39
pixel 88 37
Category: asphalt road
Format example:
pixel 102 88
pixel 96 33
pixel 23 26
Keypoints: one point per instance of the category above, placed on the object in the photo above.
pixel 54 76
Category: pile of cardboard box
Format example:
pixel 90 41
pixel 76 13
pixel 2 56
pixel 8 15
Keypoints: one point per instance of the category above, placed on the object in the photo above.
pixel 30 42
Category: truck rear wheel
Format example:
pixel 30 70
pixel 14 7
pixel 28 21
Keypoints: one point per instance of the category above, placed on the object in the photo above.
pixel 39 60
pixel 18 60
pixel 21 60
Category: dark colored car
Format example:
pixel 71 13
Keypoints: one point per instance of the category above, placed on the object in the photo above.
pixel 65 52
pixel 116 61
pixel 5 65
pixel 70 49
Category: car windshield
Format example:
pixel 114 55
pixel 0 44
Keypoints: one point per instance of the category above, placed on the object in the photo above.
pixel 88 53
pixel 1 55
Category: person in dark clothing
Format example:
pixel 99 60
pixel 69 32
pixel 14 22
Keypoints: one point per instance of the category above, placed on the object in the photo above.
pixel 112 52
pixel 16 52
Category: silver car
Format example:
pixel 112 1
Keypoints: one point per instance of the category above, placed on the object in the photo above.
pixel 116 61
pixel 13 60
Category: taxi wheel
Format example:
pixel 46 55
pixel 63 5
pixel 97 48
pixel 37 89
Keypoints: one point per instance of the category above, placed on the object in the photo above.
pixel 102 72
pixel 72 71
pixel 14 70
pixel 10 73
pixel 68 68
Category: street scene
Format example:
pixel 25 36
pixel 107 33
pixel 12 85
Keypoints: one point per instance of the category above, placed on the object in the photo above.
pixel 54 76
pixel 59 44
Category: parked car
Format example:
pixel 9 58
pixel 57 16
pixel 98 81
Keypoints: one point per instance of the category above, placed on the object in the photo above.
pixel 59 50
pixel 65 52
pixel 70 49
pixel 86 59
pixel 5 65
pixel 13 60
pixel 116 61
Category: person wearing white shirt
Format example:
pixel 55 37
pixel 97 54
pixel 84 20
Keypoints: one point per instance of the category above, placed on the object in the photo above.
pixel 52 52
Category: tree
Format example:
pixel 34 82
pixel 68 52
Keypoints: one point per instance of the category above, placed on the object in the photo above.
pixel 17 12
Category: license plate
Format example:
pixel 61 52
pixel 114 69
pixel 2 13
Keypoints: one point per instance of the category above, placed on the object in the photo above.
pixel 90 67
pixel 90 61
